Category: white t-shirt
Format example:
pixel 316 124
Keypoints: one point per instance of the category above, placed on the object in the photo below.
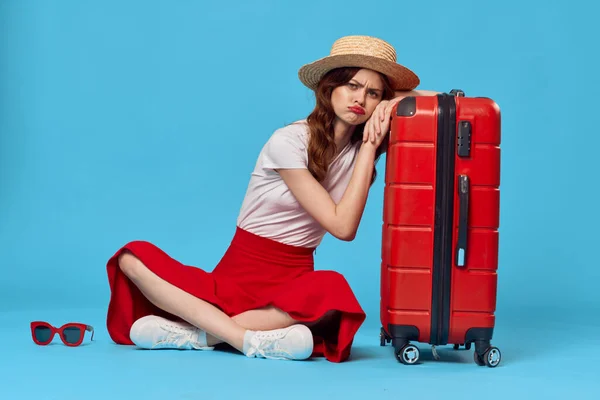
pixel 270 209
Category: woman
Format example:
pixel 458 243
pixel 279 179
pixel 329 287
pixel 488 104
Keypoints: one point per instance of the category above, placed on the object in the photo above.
pixel 264 297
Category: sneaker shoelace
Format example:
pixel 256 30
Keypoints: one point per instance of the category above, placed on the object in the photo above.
pixel 177 335
pixel 266 345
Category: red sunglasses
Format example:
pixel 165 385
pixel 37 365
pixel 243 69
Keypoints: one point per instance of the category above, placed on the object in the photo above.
pixel 71 334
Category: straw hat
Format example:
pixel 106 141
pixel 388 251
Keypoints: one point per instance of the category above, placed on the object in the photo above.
pixel 360 51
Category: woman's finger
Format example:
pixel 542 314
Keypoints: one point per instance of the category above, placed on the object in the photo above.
pixel 373 130
pixel 386 122
pixel 391 105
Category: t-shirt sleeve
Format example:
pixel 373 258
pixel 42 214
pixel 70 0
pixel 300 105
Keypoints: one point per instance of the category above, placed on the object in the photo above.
pixel 284 150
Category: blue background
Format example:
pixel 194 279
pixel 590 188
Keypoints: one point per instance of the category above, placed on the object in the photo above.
pixel 123 120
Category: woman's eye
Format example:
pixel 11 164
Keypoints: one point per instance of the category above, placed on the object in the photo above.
pixel 352 86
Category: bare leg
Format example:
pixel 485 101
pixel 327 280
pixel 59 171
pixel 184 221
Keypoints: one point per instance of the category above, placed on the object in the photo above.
pixel 271 318
pixel 178 302
pixel 262 319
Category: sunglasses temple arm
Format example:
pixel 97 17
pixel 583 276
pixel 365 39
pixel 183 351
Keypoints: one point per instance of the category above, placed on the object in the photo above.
pixel 90 328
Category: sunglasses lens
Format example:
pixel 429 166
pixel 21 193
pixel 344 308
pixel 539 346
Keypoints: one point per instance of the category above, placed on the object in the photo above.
pixel 42 333
pixel 72 335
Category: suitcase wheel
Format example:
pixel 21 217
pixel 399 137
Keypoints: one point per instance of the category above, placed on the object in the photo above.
pixel 408 354
pixel 490 358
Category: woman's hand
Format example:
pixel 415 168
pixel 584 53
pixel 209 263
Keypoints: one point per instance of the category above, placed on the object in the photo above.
pixel 379 124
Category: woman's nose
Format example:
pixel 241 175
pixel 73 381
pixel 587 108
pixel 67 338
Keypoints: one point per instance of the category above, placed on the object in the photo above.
pixel 360 98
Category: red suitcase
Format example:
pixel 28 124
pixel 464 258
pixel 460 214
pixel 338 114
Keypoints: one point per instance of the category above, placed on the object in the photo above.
pixel 440 226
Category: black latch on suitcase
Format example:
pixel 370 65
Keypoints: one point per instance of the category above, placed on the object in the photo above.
pixel 464 139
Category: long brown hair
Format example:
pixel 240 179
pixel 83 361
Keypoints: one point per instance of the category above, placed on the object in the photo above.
pixel 321 143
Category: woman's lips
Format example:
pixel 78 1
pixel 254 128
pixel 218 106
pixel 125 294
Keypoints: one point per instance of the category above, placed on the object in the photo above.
pixel 357 110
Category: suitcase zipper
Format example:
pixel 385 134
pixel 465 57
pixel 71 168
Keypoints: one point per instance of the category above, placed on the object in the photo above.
pixel 444 205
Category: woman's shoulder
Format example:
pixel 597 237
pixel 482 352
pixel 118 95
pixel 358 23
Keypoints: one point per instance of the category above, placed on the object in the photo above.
pixel 287 147
pixel 295 132
pixel 297 129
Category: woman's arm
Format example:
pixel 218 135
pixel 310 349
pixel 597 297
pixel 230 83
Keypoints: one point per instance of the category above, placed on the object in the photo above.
pixel 340 220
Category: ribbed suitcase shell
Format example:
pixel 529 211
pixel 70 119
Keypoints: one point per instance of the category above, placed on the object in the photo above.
pixel 440 243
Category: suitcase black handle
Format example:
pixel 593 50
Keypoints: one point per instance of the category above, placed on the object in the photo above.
pixel 463 220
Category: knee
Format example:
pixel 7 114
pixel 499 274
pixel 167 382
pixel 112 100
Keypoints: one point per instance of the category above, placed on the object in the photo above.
pixel 129 264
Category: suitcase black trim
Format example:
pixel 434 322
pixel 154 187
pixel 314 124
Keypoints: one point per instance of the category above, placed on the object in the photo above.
pixel 479 334
pixel 481 337
pixel 402 334
pixel 443 223
pixel 407 107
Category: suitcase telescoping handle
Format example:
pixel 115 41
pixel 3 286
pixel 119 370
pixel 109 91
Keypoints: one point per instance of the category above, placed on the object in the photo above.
pixel 463 220
pixel 457 93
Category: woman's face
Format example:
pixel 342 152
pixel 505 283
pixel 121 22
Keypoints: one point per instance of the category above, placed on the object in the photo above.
pixel 354 102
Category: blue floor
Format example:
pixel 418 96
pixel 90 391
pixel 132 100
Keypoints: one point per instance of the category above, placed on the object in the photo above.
pixel 559 359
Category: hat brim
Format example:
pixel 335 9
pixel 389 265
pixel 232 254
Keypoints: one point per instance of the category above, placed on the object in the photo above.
pixel 401 78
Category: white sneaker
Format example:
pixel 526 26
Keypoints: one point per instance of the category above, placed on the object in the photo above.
pixel 292 343
pixel 153 332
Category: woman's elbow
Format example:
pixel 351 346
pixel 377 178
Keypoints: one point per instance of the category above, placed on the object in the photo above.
pixel 346 234
pixel 349 236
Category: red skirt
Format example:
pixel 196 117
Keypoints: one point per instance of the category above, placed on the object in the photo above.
pixel 254 272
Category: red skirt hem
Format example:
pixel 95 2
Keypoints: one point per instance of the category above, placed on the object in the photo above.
pixel 254 272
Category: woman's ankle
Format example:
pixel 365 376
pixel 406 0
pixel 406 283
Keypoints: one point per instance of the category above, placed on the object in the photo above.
pixel 213 341
pixel 234 338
